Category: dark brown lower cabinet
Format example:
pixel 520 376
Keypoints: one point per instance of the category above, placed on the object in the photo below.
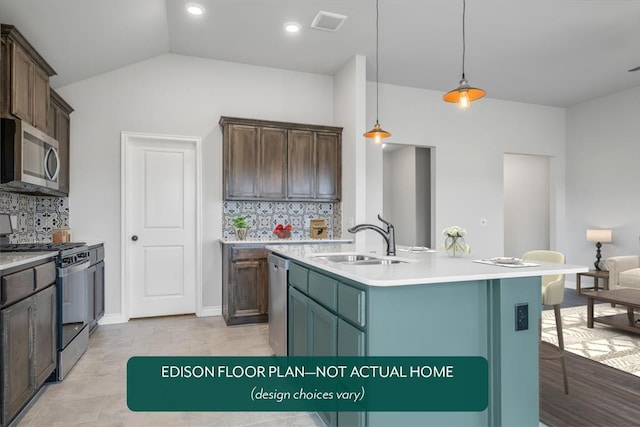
pixel 244 284
pixel 27 334
pixel 17 378
pixel 28 356
pixel 44 341
pixel 95 286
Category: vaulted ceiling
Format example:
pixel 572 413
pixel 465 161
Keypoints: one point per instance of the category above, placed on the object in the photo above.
pixel 550 52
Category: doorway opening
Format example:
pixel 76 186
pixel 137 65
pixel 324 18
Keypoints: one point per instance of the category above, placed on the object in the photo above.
pixel 527 203
pixel 407 192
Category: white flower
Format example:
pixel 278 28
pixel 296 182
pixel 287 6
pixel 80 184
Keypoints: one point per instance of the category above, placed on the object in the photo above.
pixel 454 231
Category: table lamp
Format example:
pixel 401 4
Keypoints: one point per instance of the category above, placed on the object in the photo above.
pixel 600 237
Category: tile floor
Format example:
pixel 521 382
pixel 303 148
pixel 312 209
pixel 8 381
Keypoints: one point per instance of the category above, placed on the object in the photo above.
pixel 94 392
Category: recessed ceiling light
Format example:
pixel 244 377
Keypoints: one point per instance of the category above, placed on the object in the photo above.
pixel 195 9
pixel 292 27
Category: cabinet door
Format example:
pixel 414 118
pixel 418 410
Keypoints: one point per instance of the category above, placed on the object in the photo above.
pixel 44 337
pixel 91 290
pixel 328 165
pixel 40 99
pixel 323 330
pixel 62 136
pixel 301 167
pixel 22 75
pixel 242 162
pixel 17 378
pixel 323 334
pixel 249 288
pixel 350 340
pixel 99 291
pixel 273 163
pixel 298 335
pixel 51 122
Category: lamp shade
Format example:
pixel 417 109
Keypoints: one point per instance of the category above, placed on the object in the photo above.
pixel 602 236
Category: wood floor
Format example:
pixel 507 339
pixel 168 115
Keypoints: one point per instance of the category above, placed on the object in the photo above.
pixel 598 394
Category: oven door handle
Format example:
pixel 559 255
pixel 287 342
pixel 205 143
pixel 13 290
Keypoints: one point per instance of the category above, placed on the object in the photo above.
pixel 67 271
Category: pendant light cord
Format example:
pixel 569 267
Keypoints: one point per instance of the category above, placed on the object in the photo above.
pixel 377 66
pixel 464 46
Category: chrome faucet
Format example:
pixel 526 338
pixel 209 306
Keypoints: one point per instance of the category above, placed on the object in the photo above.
pixel 389 235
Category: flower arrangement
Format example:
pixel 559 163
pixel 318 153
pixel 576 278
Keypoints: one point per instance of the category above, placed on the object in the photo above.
pixel 454 241
pixel 282 231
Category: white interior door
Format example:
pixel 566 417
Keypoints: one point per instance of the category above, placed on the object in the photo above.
pixel 160 226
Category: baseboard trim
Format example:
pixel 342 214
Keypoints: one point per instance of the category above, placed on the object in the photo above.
pixel 211 311
pixel 112 319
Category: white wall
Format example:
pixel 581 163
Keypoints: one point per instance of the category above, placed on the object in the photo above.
pixel 179 95
pixel 603 174
pixel 468 155
pixel 350 113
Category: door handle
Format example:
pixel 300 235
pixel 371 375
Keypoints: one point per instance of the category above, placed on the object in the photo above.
pixel 134 238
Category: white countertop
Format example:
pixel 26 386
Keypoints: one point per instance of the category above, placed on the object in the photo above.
pixel 283 241
pixel 16 259
pixel 421 268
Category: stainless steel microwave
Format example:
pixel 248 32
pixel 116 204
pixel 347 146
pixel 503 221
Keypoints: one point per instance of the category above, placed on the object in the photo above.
pixel 30 159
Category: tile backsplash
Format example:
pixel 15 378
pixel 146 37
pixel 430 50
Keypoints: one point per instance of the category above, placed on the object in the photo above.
pixel 264 216
pixel 35 216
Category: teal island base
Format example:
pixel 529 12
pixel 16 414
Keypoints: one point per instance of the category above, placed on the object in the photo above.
pixel 332 315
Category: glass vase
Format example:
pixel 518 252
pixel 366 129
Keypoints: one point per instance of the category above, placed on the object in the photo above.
pixel 455 246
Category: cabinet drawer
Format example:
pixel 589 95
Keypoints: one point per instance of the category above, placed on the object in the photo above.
pixel 238 254
pixel 45 275
pixel 16 286
pixel 298 277
pixel 351 304
pixel 324 290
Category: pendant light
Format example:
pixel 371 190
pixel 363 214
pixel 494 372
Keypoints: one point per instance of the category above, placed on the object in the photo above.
pixel 377 133
pixel 464 94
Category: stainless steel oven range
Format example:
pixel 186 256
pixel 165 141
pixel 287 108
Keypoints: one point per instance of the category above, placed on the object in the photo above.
pixel 72 264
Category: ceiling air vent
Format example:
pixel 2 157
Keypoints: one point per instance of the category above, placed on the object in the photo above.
pixel 328 21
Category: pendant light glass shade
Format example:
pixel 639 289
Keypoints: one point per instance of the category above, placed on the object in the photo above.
pixel 377 133
pixel 463 94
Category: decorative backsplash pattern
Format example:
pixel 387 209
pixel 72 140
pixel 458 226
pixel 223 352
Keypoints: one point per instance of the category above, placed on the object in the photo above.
pixel 36 216
pixel 262 217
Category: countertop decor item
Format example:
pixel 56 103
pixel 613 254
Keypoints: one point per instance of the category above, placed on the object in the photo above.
pixel 454 242
pixel 241 227
pixel 463 94
pixel 282 231
pixel 318 228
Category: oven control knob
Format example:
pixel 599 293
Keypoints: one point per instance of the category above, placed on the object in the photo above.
pixel 134 238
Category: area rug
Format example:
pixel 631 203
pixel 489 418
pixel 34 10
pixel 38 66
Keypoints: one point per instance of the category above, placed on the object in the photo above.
pixel 604 344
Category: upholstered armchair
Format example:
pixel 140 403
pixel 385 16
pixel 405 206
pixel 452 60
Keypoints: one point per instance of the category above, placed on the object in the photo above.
pixel 624 271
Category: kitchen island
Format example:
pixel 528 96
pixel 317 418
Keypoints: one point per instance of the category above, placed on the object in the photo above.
pixel 428 304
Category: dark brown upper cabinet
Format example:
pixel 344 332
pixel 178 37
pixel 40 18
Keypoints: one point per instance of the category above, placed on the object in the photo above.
pixel 266 160
pixel 24 79
pixel 59 128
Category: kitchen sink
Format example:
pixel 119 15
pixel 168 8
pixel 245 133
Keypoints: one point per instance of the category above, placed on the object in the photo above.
pixel 358 259
pixel 376 261
pixel 346 258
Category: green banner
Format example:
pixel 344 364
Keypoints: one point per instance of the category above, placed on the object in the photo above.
pixel 307 384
